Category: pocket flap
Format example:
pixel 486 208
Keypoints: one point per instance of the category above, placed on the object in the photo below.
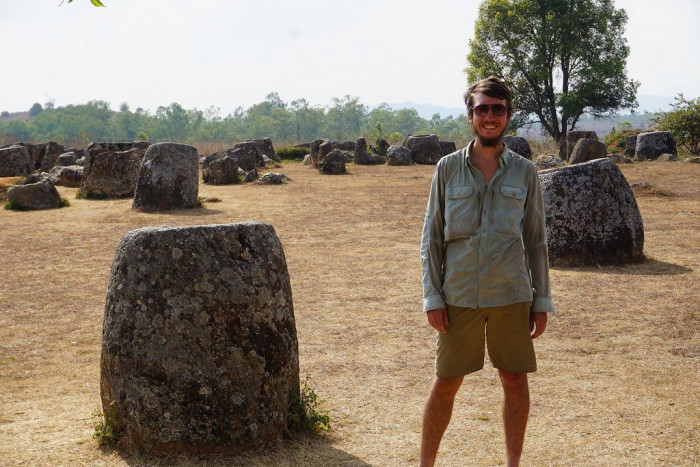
pixel 512 192
pixel 458 191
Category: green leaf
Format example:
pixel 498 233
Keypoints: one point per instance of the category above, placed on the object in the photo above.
pixel 94 2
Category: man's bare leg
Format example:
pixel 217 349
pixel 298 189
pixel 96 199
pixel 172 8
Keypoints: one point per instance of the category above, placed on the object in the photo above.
pixel 516 407
pixel 436 417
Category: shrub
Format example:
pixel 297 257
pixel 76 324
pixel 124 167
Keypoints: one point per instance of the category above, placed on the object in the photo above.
pixel 89 195
pixel 104 434
pixel 304 414
pixel 615 140
pixel 12 206
pixel 292 153
pixel 394 138
pixel 684 122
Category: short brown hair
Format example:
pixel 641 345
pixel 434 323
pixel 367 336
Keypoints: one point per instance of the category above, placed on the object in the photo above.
pixel 492 87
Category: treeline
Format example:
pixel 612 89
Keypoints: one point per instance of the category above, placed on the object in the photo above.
pixel 284 123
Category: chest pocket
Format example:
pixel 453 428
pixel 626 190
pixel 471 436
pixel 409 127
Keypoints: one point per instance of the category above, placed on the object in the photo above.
pixel 461 209
pixel 511 208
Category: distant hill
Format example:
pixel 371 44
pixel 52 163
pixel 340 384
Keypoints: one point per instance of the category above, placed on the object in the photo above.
pixel 647 103
pixel 16 116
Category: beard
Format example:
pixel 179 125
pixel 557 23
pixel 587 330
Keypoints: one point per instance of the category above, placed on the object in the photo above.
pixel 488 142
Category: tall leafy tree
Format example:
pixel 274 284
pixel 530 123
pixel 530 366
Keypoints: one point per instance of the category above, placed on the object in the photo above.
pixel 561 57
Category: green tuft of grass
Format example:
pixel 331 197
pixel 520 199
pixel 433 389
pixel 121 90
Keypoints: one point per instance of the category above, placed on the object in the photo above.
pixel 104 434
pixel 304 414
pixel 64 202
pixel 12 206
pixel 89 195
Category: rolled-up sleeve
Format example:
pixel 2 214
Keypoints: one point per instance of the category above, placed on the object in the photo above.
pixel 433 245
pixel 535 242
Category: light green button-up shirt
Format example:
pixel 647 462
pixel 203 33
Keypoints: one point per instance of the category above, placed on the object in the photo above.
pixel 485 245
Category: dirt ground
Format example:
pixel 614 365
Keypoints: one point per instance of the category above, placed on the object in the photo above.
pixel 618 380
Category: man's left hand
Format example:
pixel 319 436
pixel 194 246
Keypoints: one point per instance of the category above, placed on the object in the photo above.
pixel 538 323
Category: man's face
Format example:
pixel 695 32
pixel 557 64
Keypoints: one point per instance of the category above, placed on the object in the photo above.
pixel 488 126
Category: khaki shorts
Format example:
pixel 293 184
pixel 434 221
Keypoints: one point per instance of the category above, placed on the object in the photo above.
pixel 460 351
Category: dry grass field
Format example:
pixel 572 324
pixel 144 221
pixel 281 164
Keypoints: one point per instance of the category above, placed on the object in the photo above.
pixel 619 366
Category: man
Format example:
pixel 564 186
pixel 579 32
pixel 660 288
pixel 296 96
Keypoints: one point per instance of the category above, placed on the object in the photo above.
pixel 485 268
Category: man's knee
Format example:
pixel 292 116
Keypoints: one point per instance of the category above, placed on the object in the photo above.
pixel 513 380
pixel 447 386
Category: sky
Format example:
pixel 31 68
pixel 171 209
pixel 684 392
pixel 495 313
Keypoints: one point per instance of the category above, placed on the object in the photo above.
pixel 231 53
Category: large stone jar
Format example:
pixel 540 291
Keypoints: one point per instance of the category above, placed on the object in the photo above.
pixel 592 215
pixel 199 345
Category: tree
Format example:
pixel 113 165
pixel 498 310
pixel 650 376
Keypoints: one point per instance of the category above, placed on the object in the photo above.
pixel 35 110
pixel 684 122
pixel 561 57
pixel 309 120
pixel 123 107
pixel 66 123
pixel 345 117
pixel 408 122
pixel 177 123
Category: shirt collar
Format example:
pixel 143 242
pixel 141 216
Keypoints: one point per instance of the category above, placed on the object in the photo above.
pixel 503 159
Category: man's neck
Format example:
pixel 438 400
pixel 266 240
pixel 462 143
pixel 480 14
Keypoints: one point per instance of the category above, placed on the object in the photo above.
pixel 486 153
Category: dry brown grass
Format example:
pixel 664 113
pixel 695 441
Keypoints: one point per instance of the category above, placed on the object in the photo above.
pixel 618 380
pixel 5 184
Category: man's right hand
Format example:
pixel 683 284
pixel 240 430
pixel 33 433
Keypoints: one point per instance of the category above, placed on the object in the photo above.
pixel 438 319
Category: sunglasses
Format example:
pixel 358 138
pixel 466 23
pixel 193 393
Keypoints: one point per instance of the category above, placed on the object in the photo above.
pixel 498 110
